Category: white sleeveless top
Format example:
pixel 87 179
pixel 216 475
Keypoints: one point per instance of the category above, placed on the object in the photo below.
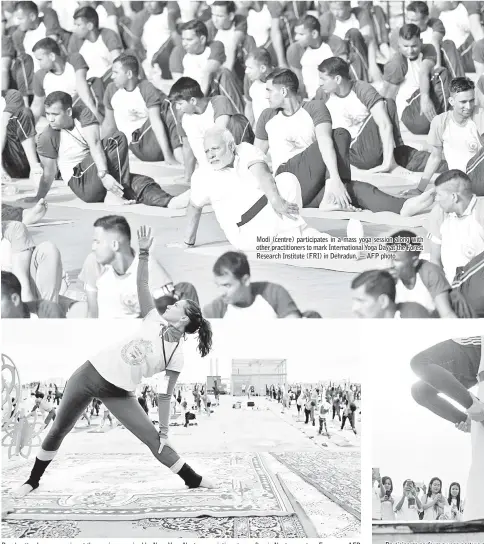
pixel 128 361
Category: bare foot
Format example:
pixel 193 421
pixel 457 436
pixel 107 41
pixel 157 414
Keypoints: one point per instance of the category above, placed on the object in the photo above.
pixel 206 483
pixel 113 200
pixel 34 214
pixel 179 202
pixel 418 204
pixel 22 491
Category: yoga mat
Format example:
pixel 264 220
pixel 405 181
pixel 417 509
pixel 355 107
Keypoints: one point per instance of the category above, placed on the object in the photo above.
pixel 278 527
pixel 103 486
pixel 337 265
pixel 140 209
pixel 49 222
pixel 365 216
pixel 336 475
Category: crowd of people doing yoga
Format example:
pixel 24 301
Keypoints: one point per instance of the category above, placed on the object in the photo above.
pixel 267 106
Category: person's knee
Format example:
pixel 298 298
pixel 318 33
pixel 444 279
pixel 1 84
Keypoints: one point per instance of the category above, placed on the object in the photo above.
pixel 117 139
pixel 417 363
pixel 48 250
pixel 420 392
pixel 288 186
pixel 342 136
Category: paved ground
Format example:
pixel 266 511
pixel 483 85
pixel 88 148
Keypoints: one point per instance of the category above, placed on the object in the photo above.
pixel 321 290
pixel 263 429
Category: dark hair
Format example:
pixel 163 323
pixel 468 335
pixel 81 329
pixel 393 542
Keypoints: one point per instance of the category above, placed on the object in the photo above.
pixel 449 500
pixel 128 62
pixel 404 234
pixel 89 14
pixel 233 261
pixel 419 7
pixel 10 284
pixel 286 78
pixel 200 324
pixel 27 7
pixel 429 491
pixel 65 99
pixel 39 395
pixel 114 223
pixel 184 89
pixel 376 282
pixel 451 175
pixel 335 66
pixel 461 85
pixel 387 478
pixel 310 23
pixel 409 480
pixel 47 44
pixel 240 128
pixel 162 303
pixel 261 55
pixel 409 31
pixel 229 6
pixel 199 27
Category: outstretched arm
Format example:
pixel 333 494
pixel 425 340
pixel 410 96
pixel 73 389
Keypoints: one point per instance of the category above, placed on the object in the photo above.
pixel 145 240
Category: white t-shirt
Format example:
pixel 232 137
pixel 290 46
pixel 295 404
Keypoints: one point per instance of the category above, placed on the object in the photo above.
pixel 127 362
pixel 130 110
pixel 195 127
pixel 259 25
pixel 117 295
pixel 73 148
pixel 410 84
pixel 227 37
pixel 406 513
pixel 419 294
pixel 456 23
pixel 310 61
pixel 258 94
pixel 97 56
pixel 194 65
pixel 259 309
pixel 342 27
pixel 156 32
pixel 61 82
pixel 31 38
pixel 459 142
pixel 461 237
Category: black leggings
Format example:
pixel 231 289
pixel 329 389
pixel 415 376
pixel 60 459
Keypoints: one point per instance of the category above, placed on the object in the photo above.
pixel 449 368
pixel 84 385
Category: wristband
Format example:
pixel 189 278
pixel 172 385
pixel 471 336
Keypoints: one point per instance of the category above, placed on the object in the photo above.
pixel 144 252
pixel 101 173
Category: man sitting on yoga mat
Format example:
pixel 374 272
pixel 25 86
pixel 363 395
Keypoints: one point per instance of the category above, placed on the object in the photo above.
pixel 243 300
pixel 456 137
pixel 301 141
pixel 372 121
pixel 420 91
pixel 133 106
pixel 374 294
pixel 95 170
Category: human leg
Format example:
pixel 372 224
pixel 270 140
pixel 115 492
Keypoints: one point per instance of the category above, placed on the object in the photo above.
pixel 78 394
pixel 130 414
pixel 311 172
pixel 20 127
pixel 475 171
pixel 148 192
pixel 449 368
pixel 452 59
pixel 46 272
pixel 144 144
pixel 469 285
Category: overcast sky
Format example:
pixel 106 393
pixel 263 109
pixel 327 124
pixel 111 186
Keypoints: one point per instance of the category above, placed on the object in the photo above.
pixel 408 440
pixel 314 349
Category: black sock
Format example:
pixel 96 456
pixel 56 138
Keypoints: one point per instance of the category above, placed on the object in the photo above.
pixel 190 477
pixel 37 472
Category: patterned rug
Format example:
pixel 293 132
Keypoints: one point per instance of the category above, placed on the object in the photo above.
pixel 133 486
pixel 279 527
pixel 336 475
